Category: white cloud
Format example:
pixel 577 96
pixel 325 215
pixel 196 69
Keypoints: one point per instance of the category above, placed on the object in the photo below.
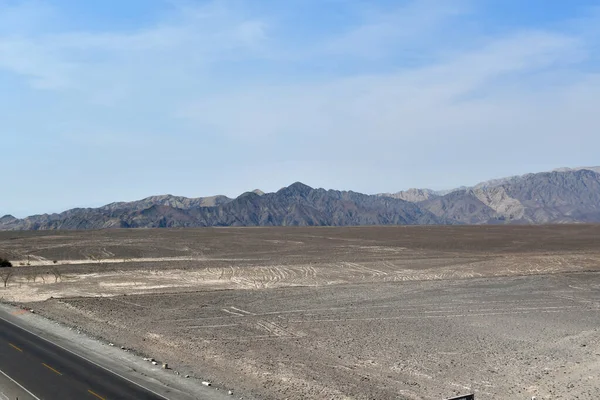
pixel 387 32
pixel 400 105
pixel 190 40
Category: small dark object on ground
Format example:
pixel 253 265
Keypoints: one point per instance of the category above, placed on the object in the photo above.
pixel 5 263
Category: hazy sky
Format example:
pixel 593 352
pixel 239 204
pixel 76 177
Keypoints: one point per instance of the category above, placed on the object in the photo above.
pixel 121 99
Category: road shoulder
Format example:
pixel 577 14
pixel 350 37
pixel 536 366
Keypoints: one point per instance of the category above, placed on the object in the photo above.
pixel 125 364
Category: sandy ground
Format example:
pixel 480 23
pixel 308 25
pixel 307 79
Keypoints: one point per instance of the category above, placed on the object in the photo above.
pixel 36 284
pixel 335 313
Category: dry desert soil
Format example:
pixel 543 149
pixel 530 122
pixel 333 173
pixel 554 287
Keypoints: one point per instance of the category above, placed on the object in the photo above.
pixel 505 312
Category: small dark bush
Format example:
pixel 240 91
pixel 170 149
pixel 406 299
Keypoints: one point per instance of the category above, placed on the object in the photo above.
pixel 5 263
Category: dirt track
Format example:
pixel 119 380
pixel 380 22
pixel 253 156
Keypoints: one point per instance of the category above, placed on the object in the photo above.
pixel 376 313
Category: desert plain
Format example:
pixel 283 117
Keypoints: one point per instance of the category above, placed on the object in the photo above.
pixel 505 312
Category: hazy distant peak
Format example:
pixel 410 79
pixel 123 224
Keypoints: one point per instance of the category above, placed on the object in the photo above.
pixel 7 218
pixel 500 181
pixel 517 178
pixel 448 191
pixel 250 193
pixel 296 188
pixel 258 192
pixel 169 200
pixel 413 195
pixel 300 186
pixel 567 169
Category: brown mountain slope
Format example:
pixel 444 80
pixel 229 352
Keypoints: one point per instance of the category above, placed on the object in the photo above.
pixel 549 197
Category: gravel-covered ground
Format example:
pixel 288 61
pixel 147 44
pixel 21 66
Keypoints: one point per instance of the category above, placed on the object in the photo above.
pixel 190 248
pixel 500 338
pixel 340 313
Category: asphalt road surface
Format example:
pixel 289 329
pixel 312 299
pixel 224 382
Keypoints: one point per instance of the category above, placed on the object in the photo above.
pixel 33 368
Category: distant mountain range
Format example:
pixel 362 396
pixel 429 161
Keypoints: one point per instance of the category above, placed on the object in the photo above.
pixel 561 196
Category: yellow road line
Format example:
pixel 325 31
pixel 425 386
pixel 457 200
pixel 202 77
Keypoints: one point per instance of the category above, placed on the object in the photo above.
pixel 51 369
pixel 97 395
pixel 15 347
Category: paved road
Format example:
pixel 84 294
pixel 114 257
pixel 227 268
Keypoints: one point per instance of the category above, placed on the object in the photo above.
pixel 31 364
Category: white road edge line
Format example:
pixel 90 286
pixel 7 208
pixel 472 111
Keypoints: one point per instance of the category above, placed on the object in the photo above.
pixel 19 385
pixel 86 359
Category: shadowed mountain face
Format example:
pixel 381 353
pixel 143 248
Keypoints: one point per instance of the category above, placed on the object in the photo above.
pixel 562 196
pixel 559 196
pixel 297 204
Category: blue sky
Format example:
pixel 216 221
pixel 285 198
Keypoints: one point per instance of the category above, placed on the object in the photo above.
pixel 117 100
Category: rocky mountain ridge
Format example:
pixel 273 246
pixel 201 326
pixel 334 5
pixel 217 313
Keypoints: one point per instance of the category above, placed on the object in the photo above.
pixel 181 202
pixel 297 204
pixel 551 197
pixel 560 196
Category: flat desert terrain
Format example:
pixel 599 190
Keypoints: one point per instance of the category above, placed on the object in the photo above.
pixel 505 312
